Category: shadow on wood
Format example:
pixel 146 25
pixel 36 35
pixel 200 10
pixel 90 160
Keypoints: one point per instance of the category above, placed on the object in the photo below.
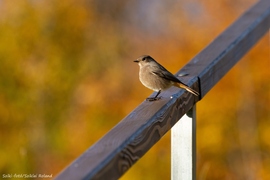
pixel 131 138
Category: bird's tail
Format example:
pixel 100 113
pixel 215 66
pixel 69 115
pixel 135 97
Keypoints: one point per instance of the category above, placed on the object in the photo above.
pixel 181 85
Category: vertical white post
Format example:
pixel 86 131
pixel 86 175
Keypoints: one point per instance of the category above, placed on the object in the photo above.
pixel 183 147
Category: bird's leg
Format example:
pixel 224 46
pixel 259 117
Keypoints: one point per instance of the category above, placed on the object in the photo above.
pixel 154 98
pixel 157 94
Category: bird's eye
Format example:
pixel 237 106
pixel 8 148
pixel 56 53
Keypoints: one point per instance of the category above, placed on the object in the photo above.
pixel 144 58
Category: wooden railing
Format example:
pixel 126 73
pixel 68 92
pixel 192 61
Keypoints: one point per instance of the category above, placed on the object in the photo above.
pixel 130 139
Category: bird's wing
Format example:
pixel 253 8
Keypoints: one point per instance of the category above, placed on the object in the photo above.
pixel 166 75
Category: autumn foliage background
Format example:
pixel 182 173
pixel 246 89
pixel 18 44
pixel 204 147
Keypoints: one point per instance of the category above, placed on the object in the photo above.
pixel 67 77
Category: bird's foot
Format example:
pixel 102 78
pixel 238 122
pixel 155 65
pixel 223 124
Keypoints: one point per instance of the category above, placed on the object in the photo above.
pixel 153 99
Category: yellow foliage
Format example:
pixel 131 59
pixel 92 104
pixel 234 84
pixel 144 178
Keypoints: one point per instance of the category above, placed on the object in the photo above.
pixel 67 77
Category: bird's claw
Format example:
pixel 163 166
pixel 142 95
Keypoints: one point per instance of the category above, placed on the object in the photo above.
pixel 153 99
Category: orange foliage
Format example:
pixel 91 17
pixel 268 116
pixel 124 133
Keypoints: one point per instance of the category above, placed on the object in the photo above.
pixel 67 78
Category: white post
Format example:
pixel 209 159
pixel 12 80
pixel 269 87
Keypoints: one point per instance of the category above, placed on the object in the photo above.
pixel 183 147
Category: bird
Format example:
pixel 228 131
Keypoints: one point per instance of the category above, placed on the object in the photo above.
pixel 157 78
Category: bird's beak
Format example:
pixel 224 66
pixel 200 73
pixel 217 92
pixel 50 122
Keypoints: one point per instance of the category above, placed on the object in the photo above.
pixel 136 61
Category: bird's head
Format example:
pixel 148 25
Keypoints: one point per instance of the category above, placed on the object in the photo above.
pixel 144 60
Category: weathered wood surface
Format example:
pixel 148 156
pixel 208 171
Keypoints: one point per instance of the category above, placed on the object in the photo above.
pixel 131 138
pixel 211 64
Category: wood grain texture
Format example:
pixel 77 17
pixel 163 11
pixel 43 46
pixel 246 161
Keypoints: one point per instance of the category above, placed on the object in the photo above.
pixel 131 138
pixel 213 62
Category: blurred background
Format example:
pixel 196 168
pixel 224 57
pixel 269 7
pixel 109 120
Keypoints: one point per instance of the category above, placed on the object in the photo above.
pixel 67 77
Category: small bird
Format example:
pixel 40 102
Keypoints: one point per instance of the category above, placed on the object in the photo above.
pixel 155 77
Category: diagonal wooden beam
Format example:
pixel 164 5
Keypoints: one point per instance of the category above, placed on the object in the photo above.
pixel 131 138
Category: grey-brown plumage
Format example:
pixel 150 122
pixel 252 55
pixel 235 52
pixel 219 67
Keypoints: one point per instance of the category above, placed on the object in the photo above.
pixel 154 76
